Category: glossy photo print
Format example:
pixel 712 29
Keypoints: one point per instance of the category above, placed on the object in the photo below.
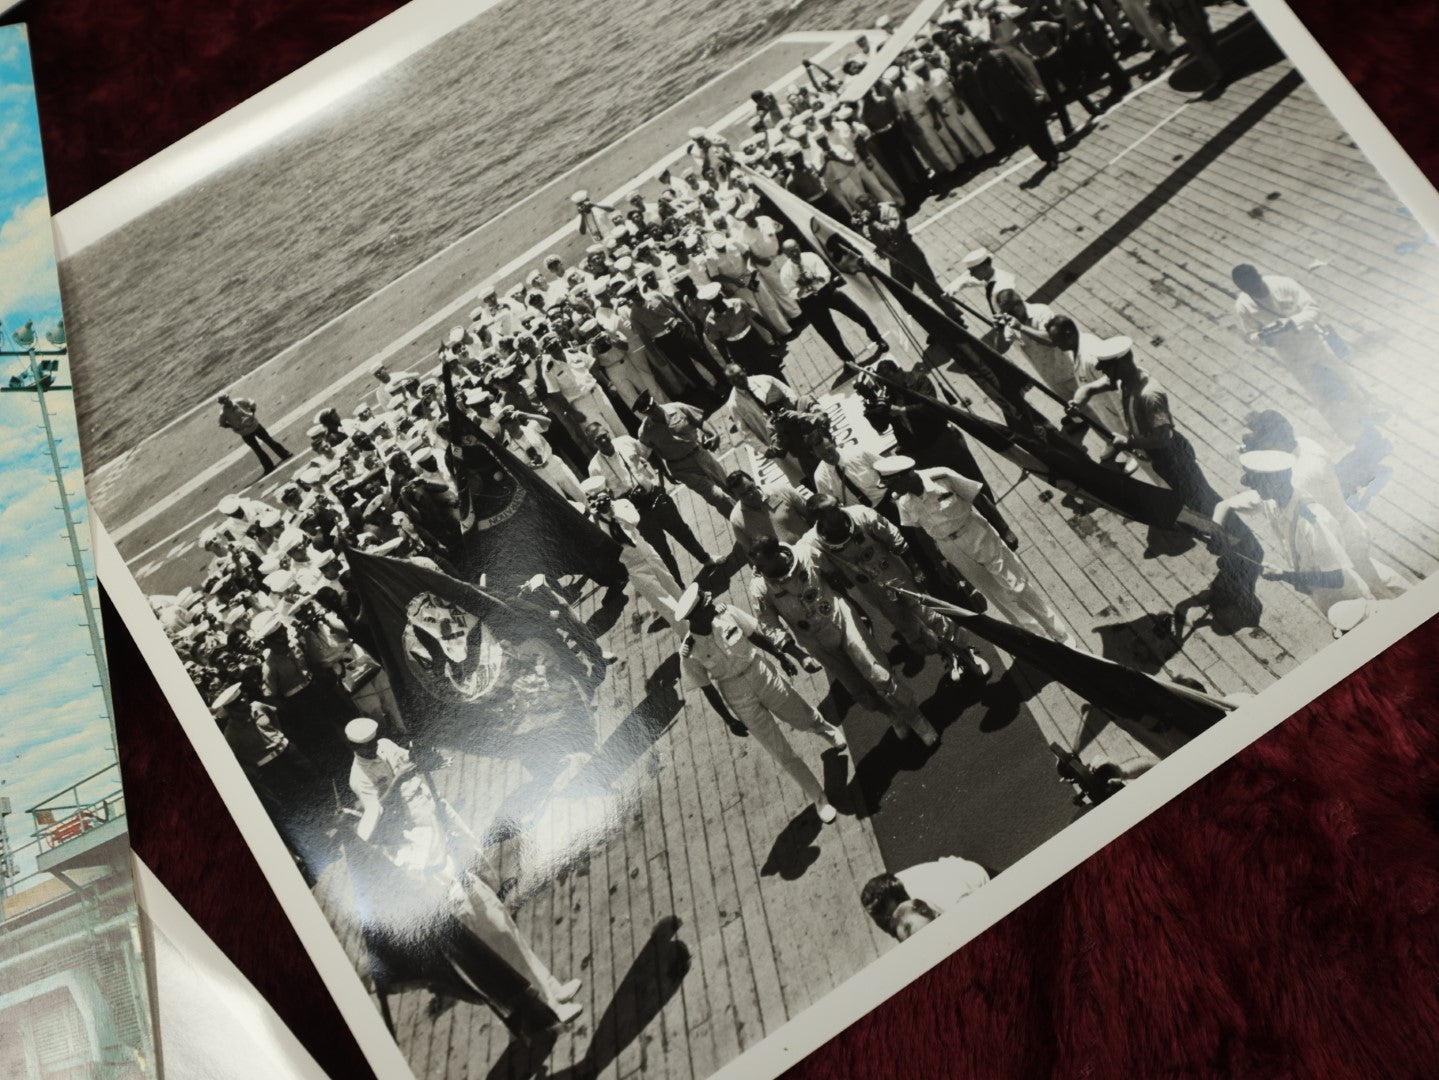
pixel 74 996
pixel 657 548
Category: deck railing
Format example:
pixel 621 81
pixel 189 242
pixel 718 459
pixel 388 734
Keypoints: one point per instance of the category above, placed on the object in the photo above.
pixel 75 810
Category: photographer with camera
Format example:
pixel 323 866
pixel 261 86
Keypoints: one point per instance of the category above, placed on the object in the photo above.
pixel 806 279
pixel 649 578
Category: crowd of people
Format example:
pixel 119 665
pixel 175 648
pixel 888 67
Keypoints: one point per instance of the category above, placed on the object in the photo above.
pixel 664 351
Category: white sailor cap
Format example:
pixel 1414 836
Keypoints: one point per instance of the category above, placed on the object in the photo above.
pixel 361 731
pixel 593 485
pixel 1266 461
pixel 893 465
pixel 489 292
pixel 719 241
pixel 977 257
pixel 268 517
pixel 890 74
pixel 314 430
pixel 265 624
pixel 1345 615
pixel 1113 348
pixel 278 581
pixel 709 290
pixel 227 697
pixel 698 133
pixel 229 505
pixel 581 196
pixel 596 249
pixel 289 540
pixel 687 601
pixel 457 335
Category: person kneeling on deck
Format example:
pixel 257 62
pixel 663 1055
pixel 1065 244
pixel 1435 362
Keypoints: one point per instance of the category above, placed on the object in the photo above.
pixel 402 818
pixel 746 679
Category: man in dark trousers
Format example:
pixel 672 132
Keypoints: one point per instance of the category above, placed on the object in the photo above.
pixel 1152 433
pixel 238 414
pixel 1011 100
pixel 807 280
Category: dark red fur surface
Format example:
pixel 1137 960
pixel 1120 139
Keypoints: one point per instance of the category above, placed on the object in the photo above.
pixel 1281 918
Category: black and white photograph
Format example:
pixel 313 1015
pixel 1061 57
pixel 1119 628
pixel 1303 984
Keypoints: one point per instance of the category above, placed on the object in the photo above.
pixel 644 508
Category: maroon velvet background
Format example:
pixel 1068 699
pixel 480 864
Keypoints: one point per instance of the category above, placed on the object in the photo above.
pixel 1278 919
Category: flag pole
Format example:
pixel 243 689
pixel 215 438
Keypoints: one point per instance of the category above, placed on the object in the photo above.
pixel 946 607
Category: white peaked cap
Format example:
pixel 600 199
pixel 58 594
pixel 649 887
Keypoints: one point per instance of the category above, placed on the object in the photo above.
pixel 362 730
pixel 1113 348
pixel 1266 461
pixel 893 464
pixel 687 601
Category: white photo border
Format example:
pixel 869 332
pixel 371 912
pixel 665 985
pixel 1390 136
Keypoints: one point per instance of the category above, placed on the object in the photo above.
pixel 389 42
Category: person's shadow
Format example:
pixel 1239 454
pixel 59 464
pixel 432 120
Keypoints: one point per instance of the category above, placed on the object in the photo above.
pixel 794 850
pixel 638 999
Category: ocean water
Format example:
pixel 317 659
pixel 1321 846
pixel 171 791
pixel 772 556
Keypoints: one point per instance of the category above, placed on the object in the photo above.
pixel 225 275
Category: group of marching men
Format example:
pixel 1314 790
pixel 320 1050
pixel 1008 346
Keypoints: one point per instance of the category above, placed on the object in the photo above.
pixel 635 371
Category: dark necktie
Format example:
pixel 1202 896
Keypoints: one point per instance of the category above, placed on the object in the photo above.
pixel 850 486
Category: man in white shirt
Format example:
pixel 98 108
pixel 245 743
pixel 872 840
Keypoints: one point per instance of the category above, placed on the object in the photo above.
pixel 789 591
pixel 524 436
pixel 625 466
pixel 982 273
pixel 649 578
pixel 726 655
pixel 760 235
pixel 773 510
pixel 806 279
pixel 400 817
pixel 940 502
pixel 1301 532
pixel 1278 313
pixel 847 475
pixel 753 400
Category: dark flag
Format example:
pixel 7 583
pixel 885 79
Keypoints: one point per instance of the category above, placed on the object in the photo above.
pixel 515 525
pixel 452 648
pixel 1028 438
pixel 1103 683
pixel 460 661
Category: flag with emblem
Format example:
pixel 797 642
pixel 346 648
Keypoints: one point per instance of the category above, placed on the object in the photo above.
pixel 515 525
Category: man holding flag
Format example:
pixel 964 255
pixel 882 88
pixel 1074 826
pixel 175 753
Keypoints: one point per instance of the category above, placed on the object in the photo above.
pixel 940 503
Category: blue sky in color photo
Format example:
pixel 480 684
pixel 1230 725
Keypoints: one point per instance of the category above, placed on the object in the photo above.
pixel 53 727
